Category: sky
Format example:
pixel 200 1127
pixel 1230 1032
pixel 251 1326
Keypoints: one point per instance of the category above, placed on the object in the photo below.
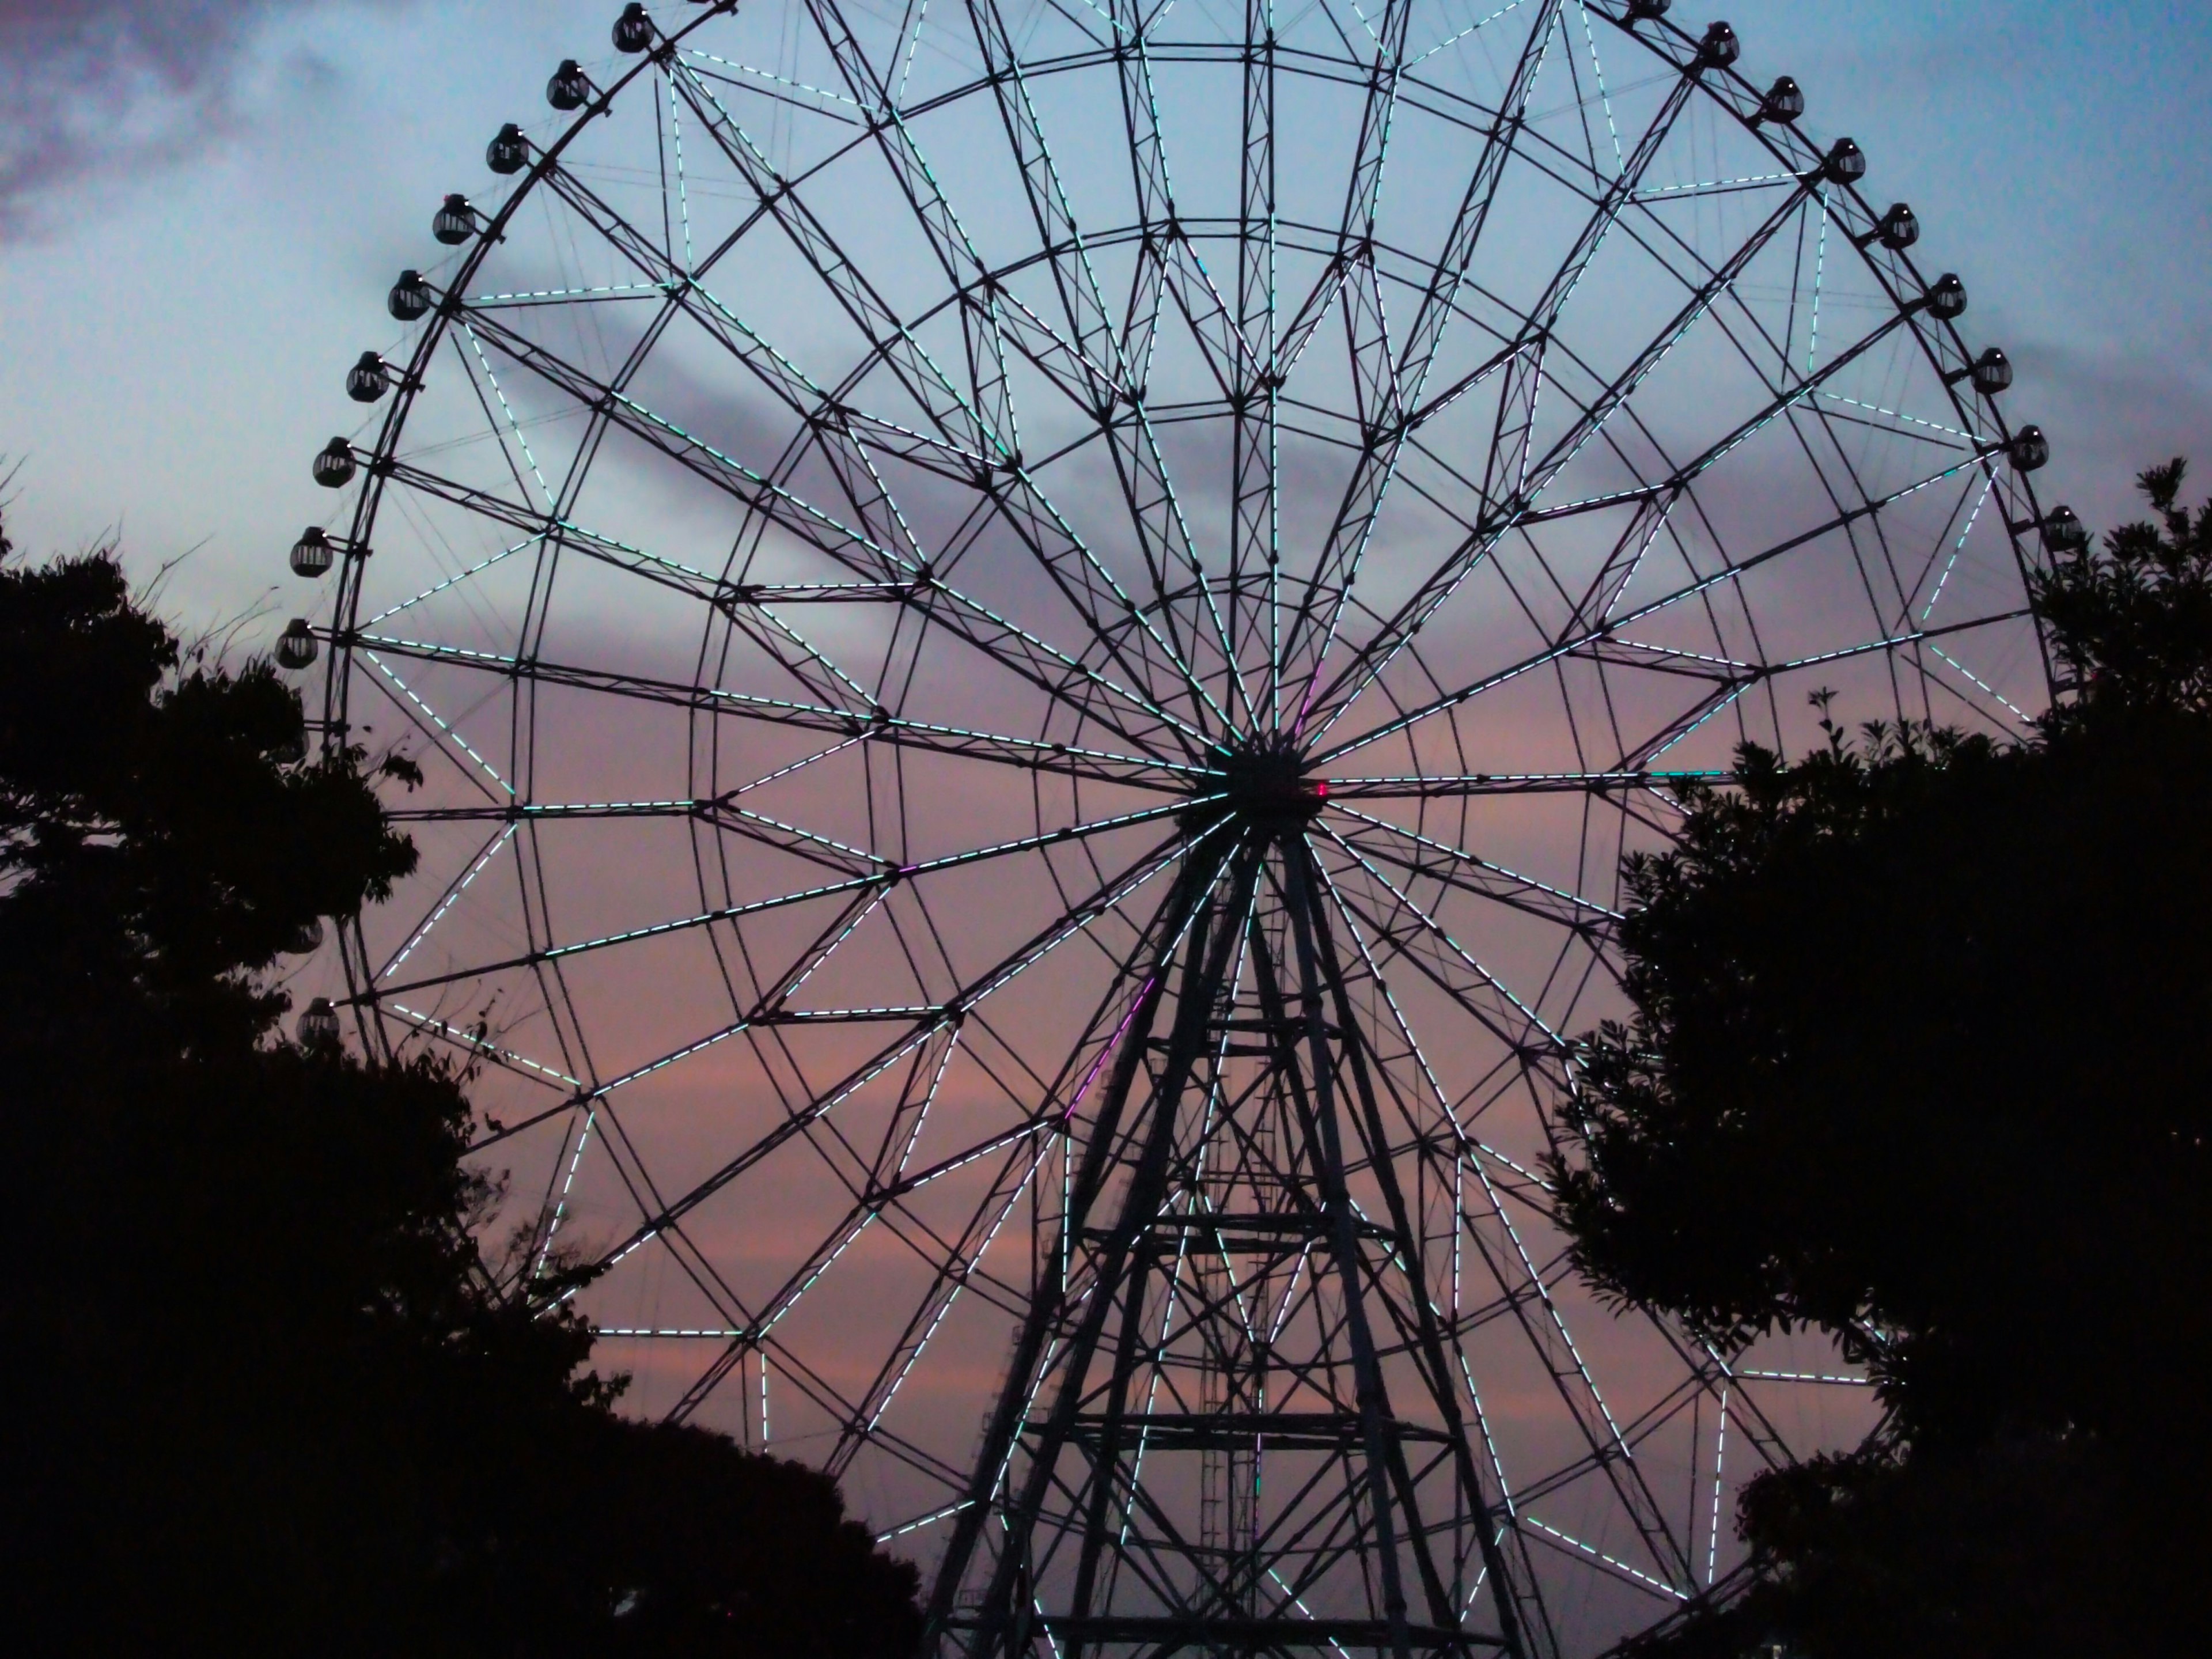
pixel 203 200
pixel 203 204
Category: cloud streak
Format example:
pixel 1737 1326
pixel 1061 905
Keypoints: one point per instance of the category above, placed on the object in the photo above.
pixel 95 86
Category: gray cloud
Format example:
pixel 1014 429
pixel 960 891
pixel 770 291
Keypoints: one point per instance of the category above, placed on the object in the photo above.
pixel 91 85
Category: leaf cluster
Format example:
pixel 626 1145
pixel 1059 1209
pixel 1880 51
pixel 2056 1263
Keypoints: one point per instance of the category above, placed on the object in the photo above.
pixel 269 1395
pixel 175 799
pixel 1920 1025
pixel 2130 622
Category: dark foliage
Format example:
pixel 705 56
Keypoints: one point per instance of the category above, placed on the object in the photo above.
pixel 2033 1544
pixel 266 1396
pixel 1923 1026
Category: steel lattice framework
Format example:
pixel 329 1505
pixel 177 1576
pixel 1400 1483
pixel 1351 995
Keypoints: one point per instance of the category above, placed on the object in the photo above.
pixel 1036 630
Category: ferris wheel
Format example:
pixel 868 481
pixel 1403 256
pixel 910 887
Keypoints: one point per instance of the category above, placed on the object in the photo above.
pixel 1036 630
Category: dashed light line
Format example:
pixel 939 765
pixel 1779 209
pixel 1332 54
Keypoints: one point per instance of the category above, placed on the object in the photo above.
pixel 431 1023
pixel 1614 1562
pixel 432 716
pixel 1988 483
pixel 2019 713
pixel 447 902
pixel 920 1521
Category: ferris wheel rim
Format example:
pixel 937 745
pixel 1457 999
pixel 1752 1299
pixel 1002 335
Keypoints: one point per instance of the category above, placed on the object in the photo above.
pixel 1722 83
pixel 1938 339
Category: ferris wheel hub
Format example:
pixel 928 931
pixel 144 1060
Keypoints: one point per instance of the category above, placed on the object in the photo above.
pixel 1262 782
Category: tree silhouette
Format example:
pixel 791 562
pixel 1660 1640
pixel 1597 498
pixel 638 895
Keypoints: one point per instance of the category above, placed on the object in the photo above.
pixel 1918 1056
pixel 266 1396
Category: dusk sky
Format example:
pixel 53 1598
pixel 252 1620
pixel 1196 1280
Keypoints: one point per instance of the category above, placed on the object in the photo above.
pixel 202 202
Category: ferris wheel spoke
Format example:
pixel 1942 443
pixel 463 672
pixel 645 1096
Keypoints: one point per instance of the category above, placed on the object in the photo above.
pixel 1453 786
pixel 887 873
pixel 780 505
pixel 1255 503
pixel 955 1261
pixel 1387 383
pixel 1721 696
pixel 976 289
pixel 448 897
pixel 1082 299
pixel 1653 503
pixel 773 1010
pixel 829 413
pixel 698 807
pixel 1425 858
pixel 842 431
pixel 672 574
pixel 1523 1286
pixel 871 1204
pixel 1522 1029
pixel 1083 581
pixel 1088 586
pixel 817 528
pixel 505 424
pixel 1383 68
pixel 954 1273
pixel 875 724
pixel 934 390
pixel 1514 480
pixel 800 658
pixel 1466 1146
pixel 1114 374
pixel 1140 316
pixel 479 1046
pixel 537 523
pixel 1168 267
pixel 445 741
pixel 1733 573
pixel 1604 99
pixel 1506 489
pixel 934 215
pixel 801 1118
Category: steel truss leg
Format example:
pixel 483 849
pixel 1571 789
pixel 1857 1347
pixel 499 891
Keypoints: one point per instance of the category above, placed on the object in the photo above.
pixel 1195 1239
